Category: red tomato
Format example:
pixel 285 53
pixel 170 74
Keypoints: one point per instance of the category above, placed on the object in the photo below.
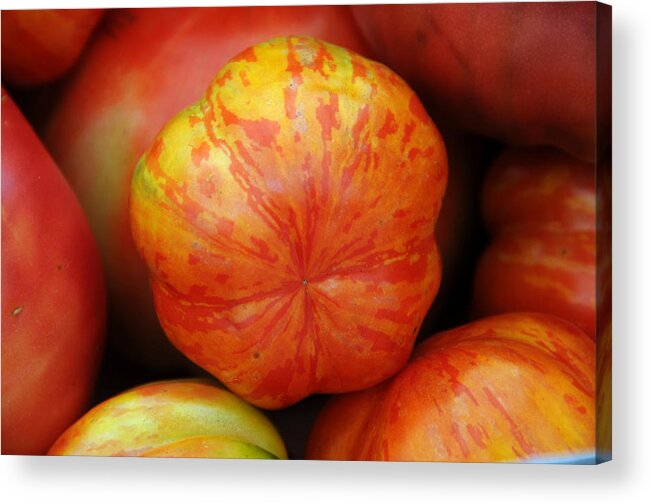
pixel 523 73
pixel 39 46
pixel 53 300
pixel 506 388
pixel 141 70
pixel 540 206
pixel 176 418
pixel 287 220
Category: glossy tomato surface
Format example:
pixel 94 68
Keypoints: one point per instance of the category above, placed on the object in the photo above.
pixel 540 206
pixel 173 418
pixel 143 67
pixel 53 299
pixel 287 220
pixel 521 72
pixel 512 387
pixel 39 46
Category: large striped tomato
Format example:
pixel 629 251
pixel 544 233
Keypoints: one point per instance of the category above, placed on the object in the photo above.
pixel 142 68
pixel 287 221
pixel 176 418
pixel 540 206
pixel 53 299
pixel 39 46
pixel 505 388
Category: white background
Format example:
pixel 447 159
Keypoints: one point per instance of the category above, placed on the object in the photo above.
pixel 625 480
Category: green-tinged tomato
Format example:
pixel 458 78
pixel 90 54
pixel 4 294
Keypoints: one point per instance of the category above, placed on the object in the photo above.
pixel 177 418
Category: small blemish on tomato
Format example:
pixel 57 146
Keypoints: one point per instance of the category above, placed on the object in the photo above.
pixel 17 311
pixel 256 355
pixel 59 266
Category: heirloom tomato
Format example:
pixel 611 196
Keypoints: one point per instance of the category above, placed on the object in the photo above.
pixel 287 220
pixel 506 388
pixel 53 300
pixel 175 418
pixel 525 73
pixel 142 68
pixel 540 206
pixel 39 46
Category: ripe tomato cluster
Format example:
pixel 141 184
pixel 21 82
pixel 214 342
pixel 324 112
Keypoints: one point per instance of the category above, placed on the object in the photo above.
pixel 385 226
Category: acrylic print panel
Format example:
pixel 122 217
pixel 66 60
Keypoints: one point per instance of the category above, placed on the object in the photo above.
pixel 375 232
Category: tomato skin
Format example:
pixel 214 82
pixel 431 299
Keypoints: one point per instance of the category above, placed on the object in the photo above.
pixel 287 220
pixel 53 299
pixel 540 206
pixel 40 46
pixel 505 388
pixel 127 88
pixel 604 369
pixel 174 418
pixel 523 73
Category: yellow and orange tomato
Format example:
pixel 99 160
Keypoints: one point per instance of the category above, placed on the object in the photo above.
pixel 540 207
pixel 142 67
pixel 506 388
pixel 287 221
pixel 175 418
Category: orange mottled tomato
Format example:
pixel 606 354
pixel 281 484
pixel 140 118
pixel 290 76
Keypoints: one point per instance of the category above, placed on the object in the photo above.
pixel 540 206
pixel 53 299
pixel 142 67
pixel 287 221
pixel 39 46
pixel 505 388
pixel 176 418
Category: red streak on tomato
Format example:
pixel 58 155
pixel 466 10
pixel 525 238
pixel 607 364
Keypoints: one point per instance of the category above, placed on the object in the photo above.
pixel 222 80
pixel 389 127
pixel 247 54
pixel 263 131
pixel 476 435
pixel 409 129
pixel 571 400
pixel 359 70
pixel 459 439
pixel 326 114
pixel 245 81
pixel 514 427
pixel 200 154
pixel 362 119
